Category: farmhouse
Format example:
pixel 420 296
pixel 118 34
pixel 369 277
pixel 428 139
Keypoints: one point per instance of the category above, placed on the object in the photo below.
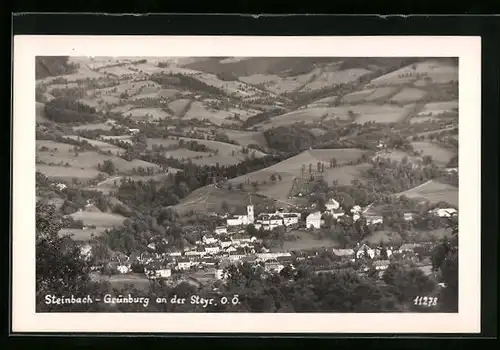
pixel 313 220
pixel 332 204
pixel 272 256
pixel 408 247
pixel 209 239
pixel 212 249
pixel 273 266
pixel 409 216
pixel 343 252
pixel 444 212
pixel 184 264
pixel 221 230
pixel 381 264
pixel 364 251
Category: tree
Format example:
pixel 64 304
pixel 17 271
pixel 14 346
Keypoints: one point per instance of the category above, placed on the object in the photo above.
pixel 108 167
pixel 333 162
pixel 383 253
pixel 273 177
pixel 224 206
pixel 60 268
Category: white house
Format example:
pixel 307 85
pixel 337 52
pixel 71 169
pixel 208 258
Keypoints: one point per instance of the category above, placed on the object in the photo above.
pixel 175 253
pixel 230 249
pixel 364 249
pixel 209 239
pixel 184 264
pixel 235 256
pixel 381 264
pixel 313 220
pixel 408 247
pixel 220 274
pixel 123 269
pixel 225 242
pixel 273 266
pixel 193 253
pixel 163 273
pixel 212 249
pixel 221 230
pixel 291 219
pixel 444 212
pixel 332 204
pixel 272 255
pixel 60 186
pixel 344 252
pixel 336 213
pixel 374 219
pixel 409 216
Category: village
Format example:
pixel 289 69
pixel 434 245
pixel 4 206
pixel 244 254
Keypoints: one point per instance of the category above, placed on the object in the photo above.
pixel 230 244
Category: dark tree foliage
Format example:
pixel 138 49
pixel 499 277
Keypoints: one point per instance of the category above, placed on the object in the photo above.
pixel 48 66
pixel 69 111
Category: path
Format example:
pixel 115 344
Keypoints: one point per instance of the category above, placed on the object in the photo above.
pixel 108 180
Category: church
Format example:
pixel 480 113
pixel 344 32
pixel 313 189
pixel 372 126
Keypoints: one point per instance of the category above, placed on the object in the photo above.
pixel 242 220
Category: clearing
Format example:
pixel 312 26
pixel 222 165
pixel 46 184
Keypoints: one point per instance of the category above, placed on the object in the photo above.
pixel 245 138
pixel 146 114
pixel 440 155
pixel 92 126
pixel 99 219
pixel 328 79
pixel 305 240
pixel 103 146
pixel 439 71
pixel 433 192
pixel 408 95
pixel 436 108
pixel 81 235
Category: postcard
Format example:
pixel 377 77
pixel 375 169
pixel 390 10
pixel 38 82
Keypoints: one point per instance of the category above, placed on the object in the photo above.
pixel 207 184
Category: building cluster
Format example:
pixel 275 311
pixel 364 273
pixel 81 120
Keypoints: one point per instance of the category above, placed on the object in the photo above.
pixel 265 221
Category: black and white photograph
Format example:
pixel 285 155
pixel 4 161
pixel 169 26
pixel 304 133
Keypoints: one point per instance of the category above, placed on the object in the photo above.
pixel 228 184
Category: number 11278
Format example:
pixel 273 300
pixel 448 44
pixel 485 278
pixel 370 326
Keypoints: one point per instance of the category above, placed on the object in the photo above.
pixel 425 301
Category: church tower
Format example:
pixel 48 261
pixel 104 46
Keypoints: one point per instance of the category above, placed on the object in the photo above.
pixel 250 214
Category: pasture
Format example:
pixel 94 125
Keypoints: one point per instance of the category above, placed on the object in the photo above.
pixel 178 106
pixel 397 155
pixel 99 219
pixel 433 192
pixel 245 138
pixel 291 168
pixel 148 114
pixel 369 94
pixel 440 155
pixel 92 126
pixel 439 71
pixel 82 235
pixel 138 281
pixel 381 114
pixel 103 146
pixel 209 199
pixel 324 79
pixel 436 108
pixel 408 95
pixel 305 240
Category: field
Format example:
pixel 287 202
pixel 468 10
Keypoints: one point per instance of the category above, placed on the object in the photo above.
pixel 138 281
pixel 291 168
pixel 311 114
pixel 200 110
pixel 408 95
pixel 95 126
pixel 83 166
pixel 440 155
pixel 82 235
pixel 112 183
pixel 146 114
pixel 245 138
pixel 305 241
pixel 436 108
pixel 393 238
pixel 438 71
pixel 381 114
pixel 235 87
pixel 122 138
pixel 103 146
pixel 397 155
pixel 433 192
pixel 277 84
pixel 328 79
pixel 178 106
pixel 99 219
pixel 210 198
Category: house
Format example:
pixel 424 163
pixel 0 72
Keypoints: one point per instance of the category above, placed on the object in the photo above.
pixel 374 219
pixel 175 253
pixel 220 274
pixel 365 250
pixel 332 204
pixel 378 251
pixel 221 230
pixel 244 239
pixel 408 247
pixel 290 219
pixel 225 242
pixel 209 239
pixel 409 216
pixel 123 268
pixel 344 253
pixel 337 213
pixel 164 273
pixel 313 220
pixel 184 264
pixel 86 251
pixel 212 249
pixel 273 266
pixel 444 212
pixel 193 253
pixel 381 264
pixel 272 255
pixel 133 131
pixel 236 256
pixel 230 249
pixel 60 186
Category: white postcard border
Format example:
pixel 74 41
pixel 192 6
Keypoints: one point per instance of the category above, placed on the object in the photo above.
pixel 24 318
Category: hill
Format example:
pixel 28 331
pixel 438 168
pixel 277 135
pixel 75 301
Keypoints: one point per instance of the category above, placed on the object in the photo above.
pixel 433 192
